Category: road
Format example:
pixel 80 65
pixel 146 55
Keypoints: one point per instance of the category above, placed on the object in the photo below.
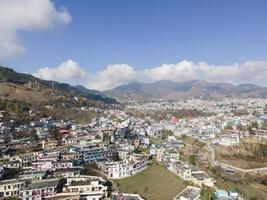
pixel 212 160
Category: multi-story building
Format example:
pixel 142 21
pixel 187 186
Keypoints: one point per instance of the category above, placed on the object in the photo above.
pixel 181 169
pixel 97 153
pixel 39 189
pixel 11 161
pixel 51 165
pixel 122 169
pixel 27 159
pixel 88 187
pixel 201 178
pixel 11 187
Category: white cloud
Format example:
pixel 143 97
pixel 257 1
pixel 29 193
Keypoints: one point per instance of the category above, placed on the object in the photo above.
pixel 118 74
pixel 112 76
pixel 68 71
pixel 182 71
pixel 252 71
pixel 26 15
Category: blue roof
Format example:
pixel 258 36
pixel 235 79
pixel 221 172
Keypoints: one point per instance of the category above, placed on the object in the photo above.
pixel 221 193
pixel 264 117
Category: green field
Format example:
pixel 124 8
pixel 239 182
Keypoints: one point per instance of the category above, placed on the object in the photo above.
pixel 154 183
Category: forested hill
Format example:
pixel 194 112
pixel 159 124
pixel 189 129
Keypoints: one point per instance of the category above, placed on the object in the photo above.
pixel 24 84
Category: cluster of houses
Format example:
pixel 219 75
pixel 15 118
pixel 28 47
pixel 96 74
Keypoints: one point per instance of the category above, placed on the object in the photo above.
pixel 45 159
pixel 76 187
pixel 49 176
pixel 50 166
pixel 226 113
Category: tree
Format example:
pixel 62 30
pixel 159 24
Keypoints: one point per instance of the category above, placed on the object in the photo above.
pixel 91 169
pixel 262 150
pixel 34 137
pixel 11 173
pixel 136 151
pixel 264 125
pixel 11 198
pixel 55 134
pixel 167 133
pixel 253 125
pixel 109 185
pixel 207 193
pixel 228 127
pixel 240 127
pixel 192 159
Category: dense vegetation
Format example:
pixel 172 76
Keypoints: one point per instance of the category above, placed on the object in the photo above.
pixel 164 114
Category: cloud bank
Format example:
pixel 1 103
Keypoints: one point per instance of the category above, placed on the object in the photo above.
pixel 26 15
pixel 68 71
pixel 112 76
pixel 118 74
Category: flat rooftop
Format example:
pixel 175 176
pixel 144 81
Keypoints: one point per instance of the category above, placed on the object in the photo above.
pixel 43 184
pixel 189 193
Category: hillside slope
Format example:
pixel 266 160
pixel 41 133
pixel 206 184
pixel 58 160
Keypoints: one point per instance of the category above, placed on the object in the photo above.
pixel 21 86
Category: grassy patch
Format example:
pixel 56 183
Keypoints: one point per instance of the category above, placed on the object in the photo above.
pixel 154 183
pixel 243 156
pixel 192 141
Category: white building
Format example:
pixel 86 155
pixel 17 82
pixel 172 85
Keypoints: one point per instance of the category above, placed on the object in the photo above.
pixel 160 154
pixel 181 169
pixel 10 188
pixel 189 193
pixel 39 189
pixel 89 187
pixel 201 178
pixel 229 140
pixel 126 168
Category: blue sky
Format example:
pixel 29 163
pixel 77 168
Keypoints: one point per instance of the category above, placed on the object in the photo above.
pixel 147 33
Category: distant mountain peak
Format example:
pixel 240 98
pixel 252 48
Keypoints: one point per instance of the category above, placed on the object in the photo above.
pixel 171 90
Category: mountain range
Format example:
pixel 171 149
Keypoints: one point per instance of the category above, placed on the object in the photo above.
pixel 170 90
pixel 25 87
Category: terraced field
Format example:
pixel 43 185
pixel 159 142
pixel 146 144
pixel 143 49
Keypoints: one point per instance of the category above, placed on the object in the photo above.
pixel 154 183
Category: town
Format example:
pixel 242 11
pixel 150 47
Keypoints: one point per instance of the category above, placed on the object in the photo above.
pixel 205 153
pixel 133 100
